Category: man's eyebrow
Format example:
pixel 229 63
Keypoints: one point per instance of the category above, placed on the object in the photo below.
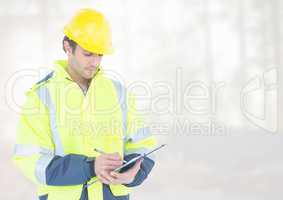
pixel 87 52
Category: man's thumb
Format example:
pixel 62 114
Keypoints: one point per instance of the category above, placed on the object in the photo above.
pixel 138 164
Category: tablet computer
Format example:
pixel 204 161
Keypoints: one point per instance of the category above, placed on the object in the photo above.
pixel 137 158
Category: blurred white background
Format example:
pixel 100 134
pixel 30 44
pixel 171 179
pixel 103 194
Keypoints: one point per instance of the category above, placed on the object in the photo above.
pixel 209 76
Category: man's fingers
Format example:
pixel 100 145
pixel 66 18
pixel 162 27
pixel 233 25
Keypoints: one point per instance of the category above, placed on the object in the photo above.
pixel 104 176
pixel 107 176
pixel 114 163
pixel 103 180
pixel 108 163
pixel 115 175
pixel 112 156
pixel 137 166
pixel 109 168
pixel 118 177
pixel 108 179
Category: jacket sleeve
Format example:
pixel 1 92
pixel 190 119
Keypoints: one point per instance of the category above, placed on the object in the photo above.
pixel 34 152
pixel 139 140
pixel 70 169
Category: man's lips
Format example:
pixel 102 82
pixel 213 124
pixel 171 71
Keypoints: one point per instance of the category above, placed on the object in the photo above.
pixel 90 68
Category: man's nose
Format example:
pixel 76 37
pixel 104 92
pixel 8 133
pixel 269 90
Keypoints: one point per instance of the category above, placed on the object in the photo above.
pixel 95 60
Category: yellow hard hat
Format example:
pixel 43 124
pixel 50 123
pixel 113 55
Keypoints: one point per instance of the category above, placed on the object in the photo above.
pixel 89 29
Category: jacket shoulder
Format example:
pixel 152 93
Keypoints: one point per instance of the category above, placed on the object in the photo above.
pixel 42 82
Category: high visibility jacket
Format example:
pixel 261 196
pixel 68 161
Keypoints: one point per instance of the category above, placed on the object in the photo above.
pixel 60 126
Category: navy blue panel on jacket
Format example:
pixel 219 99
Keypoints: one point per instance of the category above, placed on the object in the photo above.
pixel 46 78
pixel 71 169
pixel 74 169
pixel 43 197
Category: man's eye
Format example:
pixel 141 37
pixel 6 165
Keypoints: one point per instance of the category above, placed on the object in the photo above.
pixel 88 54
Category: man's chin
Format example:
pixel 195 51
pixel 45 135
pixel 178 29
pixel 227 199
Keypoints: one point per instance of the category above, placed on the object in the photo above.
pixel 89 75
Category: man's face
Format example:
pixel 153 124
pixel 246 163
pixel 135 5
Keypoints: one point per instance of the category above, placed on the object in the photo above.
pixel 84 63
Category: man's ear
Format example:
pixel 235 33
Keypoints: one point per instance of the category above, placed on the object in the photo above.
pixel 67 48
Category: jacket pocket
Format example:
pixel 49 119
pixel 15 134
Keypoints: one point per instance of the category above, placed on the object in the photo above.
pixel 115 194
pixel 72 193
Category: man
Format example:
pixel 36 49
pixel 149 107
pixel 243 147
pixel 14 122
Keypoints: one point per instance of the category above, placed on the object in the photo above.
pixel 75 110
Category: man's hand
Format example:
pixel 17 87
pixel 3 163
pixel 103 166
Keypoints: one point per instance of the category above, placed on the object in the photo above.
pixel 104 164
pixel 128 176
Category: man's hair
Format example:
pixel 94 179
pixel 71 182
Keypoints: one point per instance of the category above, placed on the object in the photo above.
pixel 72 43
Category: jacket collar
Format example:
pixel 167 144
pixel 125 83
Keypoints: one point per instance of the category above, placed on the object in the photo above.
pixel 61 70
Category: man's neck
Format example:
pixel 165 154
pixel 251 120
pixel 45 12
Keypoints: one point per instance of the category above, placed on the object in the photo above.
pixel 82 82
